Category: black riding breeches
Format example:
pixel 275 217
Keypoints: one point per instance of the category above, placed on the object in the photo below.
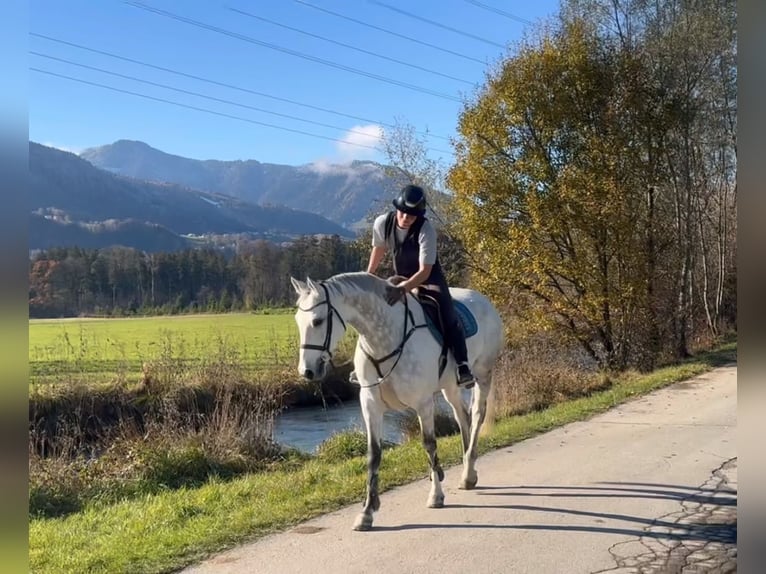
pixel 453 328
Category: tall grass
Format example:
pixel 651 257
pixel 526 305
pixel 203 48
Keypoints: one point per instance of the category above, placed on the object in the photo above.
pixel 185 421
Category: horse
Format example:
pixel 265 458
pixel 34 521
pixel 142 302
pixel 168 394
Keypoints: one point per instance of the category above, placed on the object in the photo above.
pixel 396 362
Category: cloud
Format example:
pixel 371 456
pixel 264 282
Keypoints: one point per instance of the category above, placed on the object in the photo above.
pixel 70 149
pixel 351 145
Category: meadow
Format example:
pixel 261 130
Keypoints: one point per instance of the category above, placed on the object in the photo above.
pixel 105 350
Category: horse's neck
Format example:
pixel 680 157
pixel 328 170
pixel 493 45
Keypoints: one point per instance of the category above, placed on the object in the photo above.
pixel 378 324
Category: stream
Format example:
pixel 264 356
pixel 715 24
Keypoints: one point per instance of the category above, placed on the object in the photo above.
pixel 306 428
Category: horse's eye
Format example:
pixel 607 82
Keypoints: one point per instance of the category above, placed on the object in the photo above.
pixel 317 322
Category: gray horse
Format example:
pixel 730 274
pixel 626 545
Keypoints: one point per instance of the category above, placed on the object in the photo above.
pixel 396 363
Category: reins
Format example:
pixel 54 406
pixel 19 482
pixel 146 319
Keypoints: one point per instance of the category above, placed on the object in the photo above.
pixel 396 352
pixel 325 347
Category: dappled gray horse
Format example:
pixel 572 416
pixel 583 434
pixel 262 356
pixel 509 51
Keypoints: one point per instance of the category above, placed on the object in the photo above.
pixel 396 363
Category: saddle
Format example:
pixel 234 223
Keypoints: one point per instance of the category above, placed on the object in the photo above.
pixel 435 323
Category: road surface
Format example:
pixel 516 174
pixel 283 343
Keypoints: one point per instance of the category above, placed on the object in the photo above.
pixel 647 487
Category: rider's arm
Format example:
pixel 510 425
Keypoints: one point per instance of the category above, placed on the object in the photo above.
pixel 426 257
pixel 379 245
pixel 376 256
pixel 418 278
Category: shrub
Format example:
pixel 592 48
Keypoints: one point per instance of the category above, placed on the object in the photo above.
pixel 343 446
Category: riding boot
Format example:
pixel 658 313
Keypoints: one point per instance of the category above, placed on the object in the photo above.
pixel 465 377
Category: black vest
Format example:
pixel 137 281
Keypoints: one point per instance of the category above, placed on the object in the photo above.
pixel 407 253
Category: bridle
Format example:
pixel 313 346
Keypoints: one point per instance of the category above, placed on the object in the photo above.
pixel 325 348
pixel 409 321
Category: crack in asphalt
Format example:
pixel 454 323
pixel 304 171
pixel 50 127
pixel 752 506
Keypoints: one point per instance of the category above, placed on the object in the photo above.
pixel 701 537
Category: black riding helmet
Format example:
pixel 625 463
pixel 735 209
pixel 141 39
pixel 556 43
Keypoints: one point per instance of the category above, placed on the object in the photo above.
pixel 412 200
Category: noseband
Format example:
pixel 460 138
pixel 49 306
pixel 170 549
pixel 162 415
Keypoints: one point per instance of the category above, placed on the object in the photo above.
pixel 325 348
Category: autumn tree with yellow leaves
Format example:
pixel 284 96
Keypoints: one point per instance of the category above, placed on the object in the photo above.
pixel 594 178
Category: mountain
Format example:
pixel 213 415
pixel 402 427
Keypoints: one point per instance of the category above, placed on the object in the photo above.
pixel 342 193
pixel 74 202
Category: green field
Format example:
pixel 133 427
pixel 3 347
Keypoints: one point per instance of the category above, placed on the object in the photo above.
pixel 101 349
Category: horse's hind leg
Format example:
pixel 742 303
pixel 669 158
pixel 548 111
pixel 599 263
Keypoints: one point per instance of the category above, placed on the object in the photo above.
pixel 426 417
pixel 478 413
pixel 373 419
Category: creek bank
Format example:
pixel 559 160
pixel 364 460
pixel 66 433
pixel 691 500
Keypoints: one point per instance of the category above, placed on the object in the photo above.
pixel 92 413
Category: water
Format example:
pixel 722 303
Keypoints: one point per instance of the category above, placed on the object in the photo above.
pixel 306 428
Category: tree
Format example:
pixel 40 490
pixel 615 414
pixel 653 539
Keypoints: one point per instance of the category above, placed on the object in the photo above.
pixel 408 161
pixel 584 177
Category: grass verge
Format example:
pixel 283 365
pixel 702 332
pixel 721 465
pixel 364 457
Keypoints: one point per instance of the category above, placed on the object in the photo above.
pixel 162 532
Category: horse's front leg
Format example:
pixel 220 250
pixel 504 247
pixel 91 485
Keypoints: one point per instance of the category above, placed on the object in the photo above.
pixel 454 397
pixel 426 417
pixel 373 420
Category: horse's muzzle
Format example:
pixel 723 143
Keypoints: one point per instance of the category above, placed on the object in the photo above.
pixel 317 373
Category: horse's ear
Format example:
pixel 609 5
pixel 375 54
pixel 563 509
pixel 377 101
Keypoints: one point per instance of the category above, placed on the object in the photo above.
pixel 299 286
pixel 311 285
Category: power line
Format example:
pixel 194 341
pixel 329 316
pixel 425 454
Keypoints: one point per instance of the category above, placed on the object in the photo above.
pixel 195 108
pixel 198 109
pixel 501 12
pixel 433 23
pixel 391 32
pixel 212 98
pixel 291 52
pixel 225 85
pixel 349 46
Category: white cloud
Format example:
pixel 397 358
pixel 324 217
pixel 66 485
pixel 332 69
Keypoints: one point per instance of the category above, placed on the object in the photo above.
pixel 324 167
pixel 327 167
pixel 74 150
pixel 350 146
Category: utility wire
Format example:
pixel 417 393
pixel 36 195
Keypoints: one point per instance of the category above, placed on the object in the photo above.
pixel 291 52
pixel 349 46
pixel 391 32
pixel 198 109
pixel 212 98
pixel 433 23
pixel 225 85
pixel 499 11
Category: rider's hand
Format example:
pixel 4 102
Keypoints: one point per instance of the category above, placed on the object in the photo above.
pixel 394 293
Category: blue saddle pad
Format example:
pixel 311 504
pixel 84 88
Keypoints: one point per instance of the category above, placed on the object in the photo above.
pixel 466 318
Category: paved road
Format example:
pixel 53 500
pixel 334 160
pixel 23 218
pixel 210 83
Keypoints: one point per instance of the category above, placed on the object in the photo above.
pixel 650 486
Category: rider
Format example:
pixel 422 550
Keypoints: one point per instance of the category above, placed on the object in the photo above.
pixel 410 236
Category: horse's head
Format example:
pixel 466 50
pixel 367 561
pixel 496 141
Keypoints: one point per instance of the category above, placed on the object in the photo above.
pixel 320 327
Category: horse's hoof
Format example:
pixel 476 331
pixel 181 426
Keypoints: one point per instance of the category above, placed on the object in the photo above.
pixel 468 484
pixel 363 523
pixel 436 503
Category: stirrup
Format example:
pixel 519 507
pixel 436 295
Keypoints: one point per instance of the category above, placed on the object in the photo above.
pixel 463 379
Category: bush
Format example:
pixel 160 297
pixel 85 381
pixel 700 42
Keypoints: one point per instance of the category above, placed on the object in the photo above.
pixel 343 446
pixel 539 371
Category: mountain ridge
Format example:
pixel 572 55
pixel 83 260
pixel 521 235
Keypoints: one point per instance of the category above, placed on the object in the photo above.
pixel 70 192
pixel 345 194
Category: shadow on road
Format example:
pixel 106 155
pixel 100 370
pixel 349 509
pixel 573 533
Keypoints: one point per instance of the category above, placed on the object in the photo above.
pixel 681 526
pixel 696 496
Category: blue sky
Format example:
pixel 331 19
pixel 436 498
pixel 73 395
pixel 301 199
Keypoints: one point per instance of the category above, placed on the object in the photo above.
pixel 205 76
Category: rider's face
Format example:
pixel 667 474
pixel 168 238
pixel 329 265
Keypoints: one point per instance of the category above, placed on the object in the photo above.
pixel 405 220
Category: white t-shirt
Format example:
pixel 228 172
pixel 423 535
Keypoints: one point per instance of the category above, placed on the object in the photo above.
pixel 426 238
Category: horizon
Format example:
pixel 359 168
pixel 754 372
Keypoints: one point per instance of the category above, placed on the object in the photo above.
pixel 315 164
pixel 293 83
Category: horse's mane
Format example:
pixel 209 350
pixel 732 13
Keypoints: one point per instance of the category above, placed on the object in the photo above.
pixel 356 282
